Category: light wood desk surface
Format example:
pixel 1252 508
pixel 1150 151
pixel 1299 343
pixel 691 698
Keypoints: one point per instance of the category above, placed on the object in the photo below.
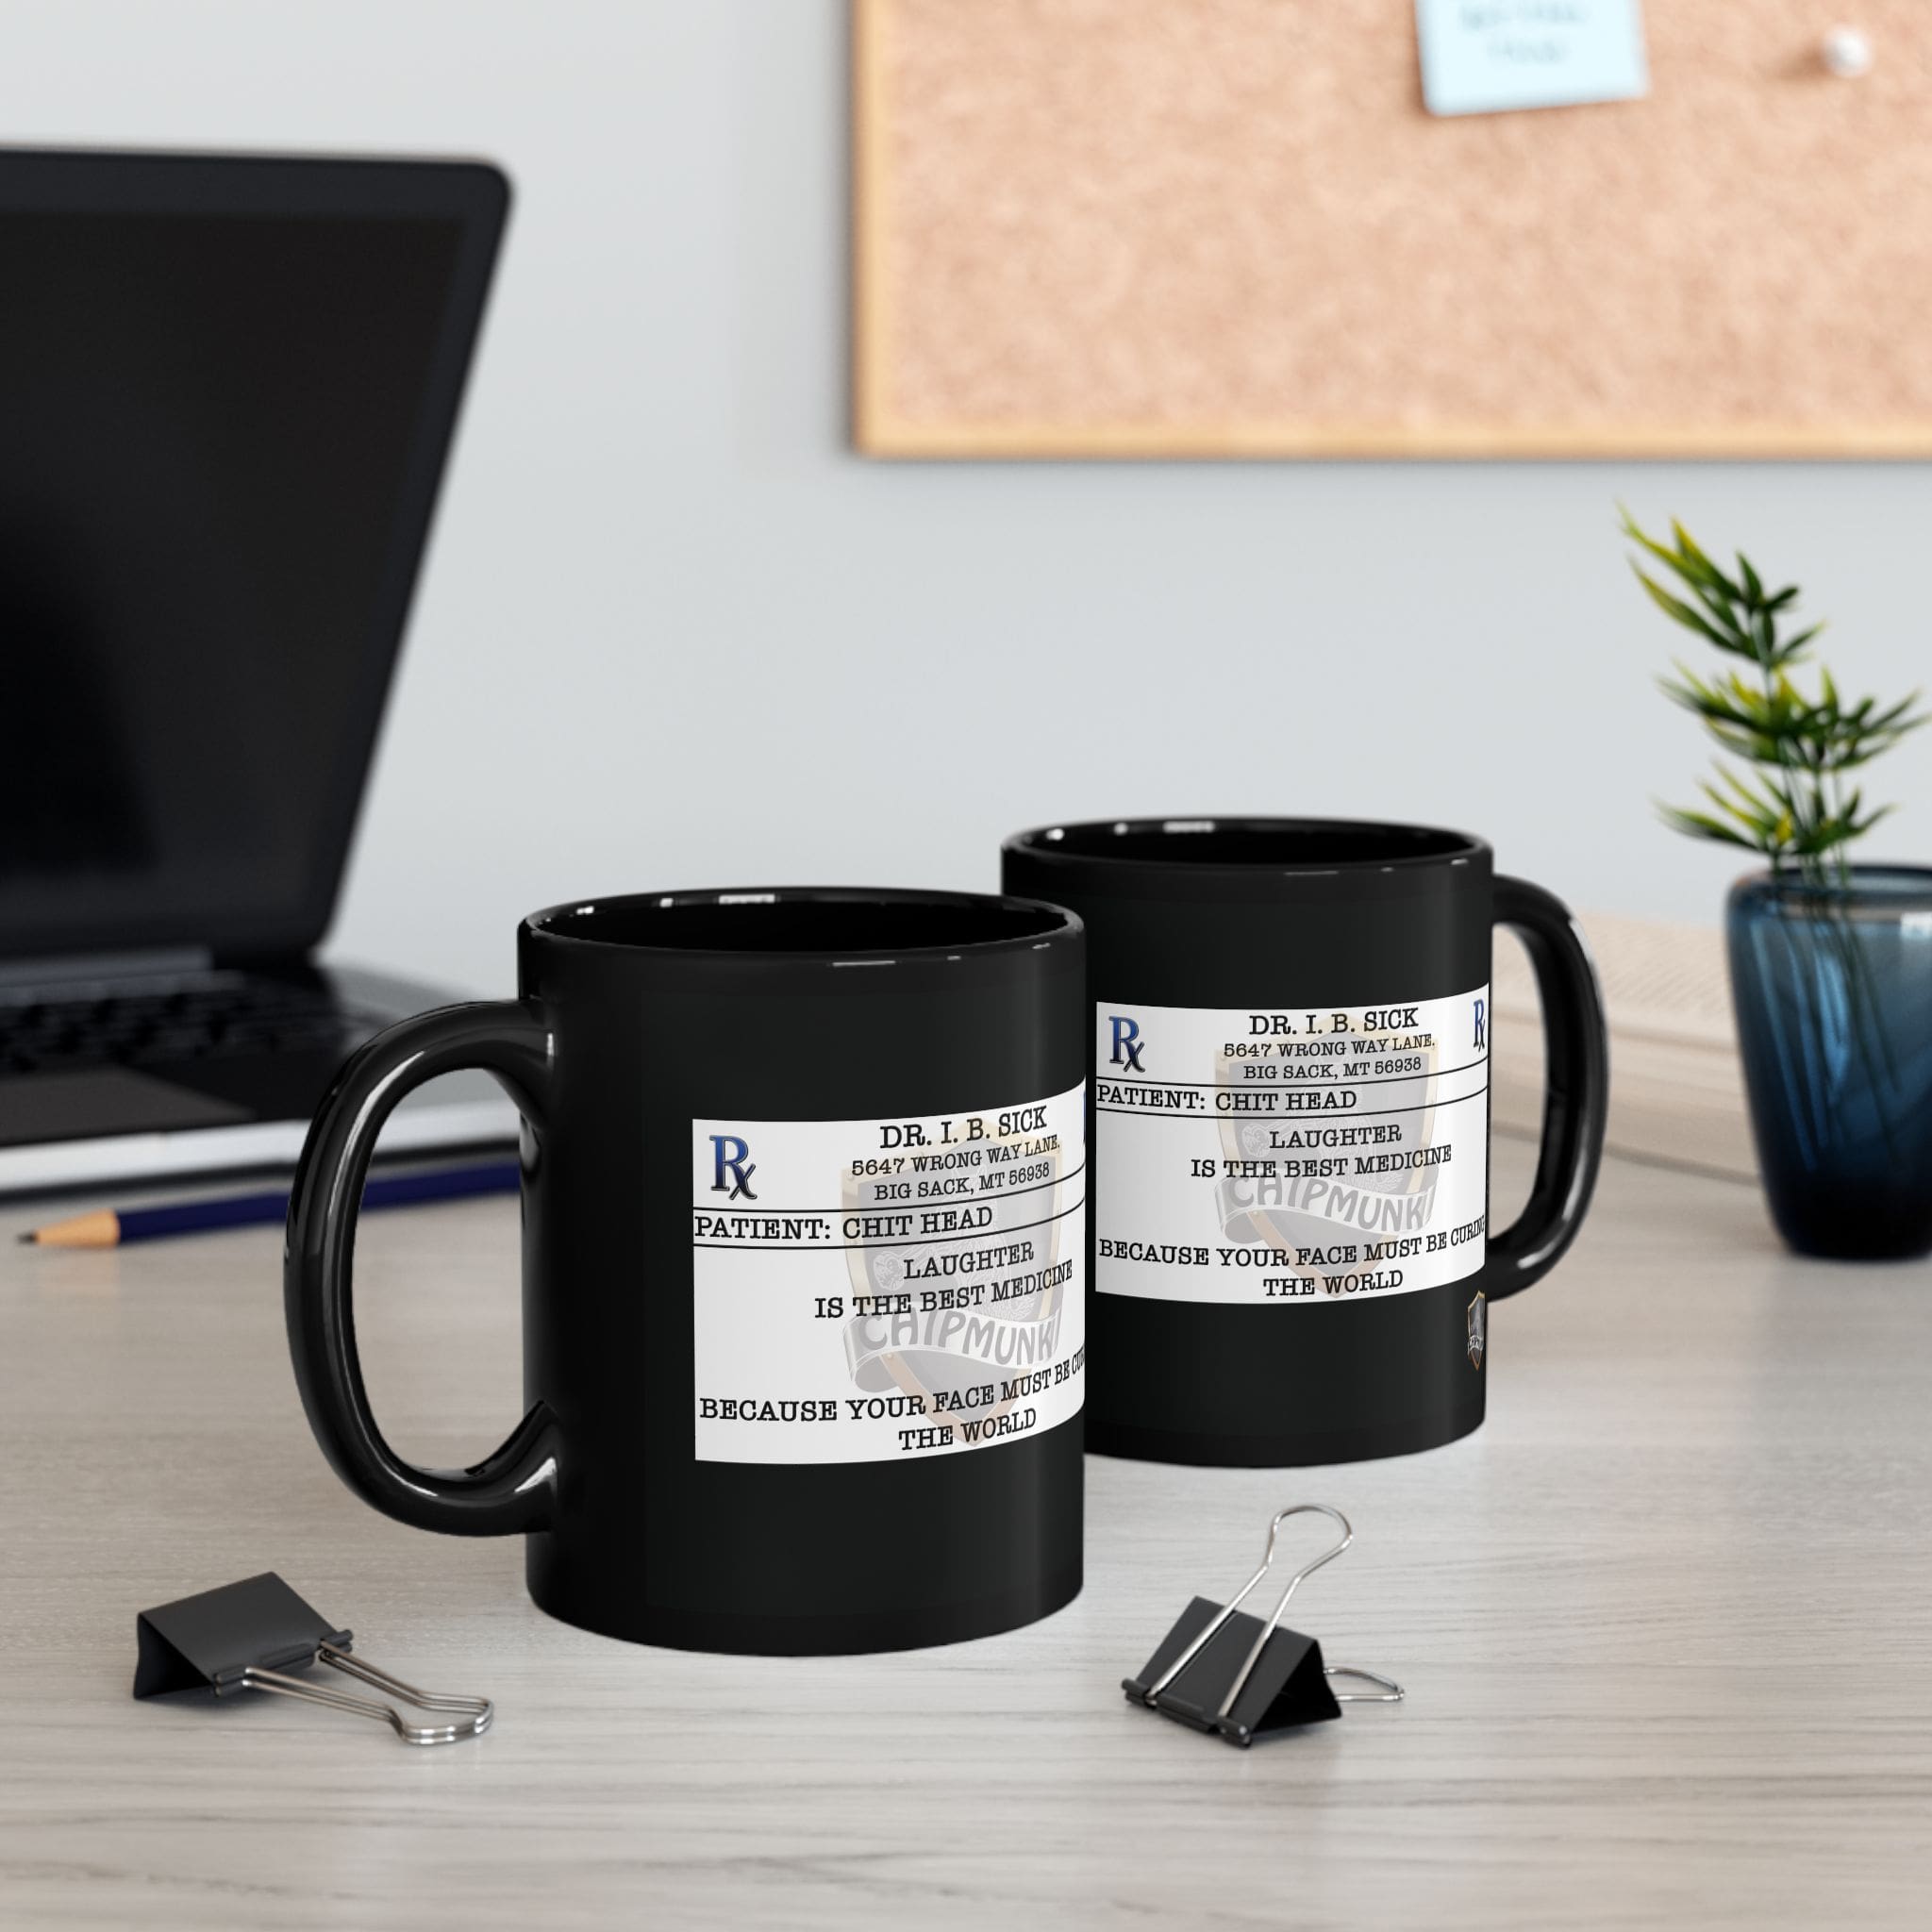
pixel 1665 1622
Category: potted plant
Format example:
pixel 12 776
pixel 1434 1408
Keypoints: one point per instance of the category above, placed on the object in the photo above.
pixel 1831 961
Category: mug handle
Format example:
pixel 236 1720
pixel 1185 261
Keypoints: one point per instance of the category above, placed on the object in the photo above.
pixel 1577 1088
pixel 512 1488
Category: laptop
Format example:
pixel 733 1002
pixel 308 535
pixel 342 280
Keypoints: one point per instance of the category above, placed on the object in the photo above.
pixel 227 387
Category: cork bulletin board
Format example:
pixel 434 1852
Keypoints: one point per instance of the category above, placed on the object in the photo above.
pixel 1229 227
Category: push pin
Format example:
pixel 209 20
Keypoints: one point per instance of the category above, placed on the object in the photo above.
pixel 1846 53
pixel 250 1635
pixel 1220 1670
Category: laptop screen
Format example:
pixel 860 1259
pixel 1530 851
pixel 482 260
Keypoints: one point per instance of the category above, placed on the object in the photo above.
pixel 223 430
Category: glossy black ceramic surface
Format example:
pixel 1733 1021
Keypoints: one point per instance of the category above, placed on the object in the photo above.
pixel 1252 915
pixel 637 1018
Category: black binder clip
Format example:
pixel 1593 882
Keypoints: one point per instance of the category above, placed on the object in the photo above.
pixel 249 1635
pixel 1218 1670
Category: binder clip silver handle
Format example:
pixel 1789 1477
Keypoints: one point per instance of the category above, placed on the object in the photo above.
pixel 478 1711
pixel 254 1635
pixel 1193 1676
pixel 1391 1691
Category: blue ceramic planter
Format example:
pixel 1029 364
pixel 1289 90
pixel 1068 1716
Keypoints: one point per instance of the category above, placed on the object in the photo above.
pixel 1833 990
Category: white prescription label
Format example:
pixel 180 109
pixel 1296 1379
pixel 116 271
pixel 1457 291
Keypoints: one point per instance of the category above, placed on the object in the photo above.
pixel 868 1290
pixel 1290 1158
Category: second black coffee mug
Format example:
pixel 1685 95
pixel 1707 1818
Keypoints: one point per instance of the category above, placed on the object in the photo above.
pixel 803 1262
pixel 1290 1025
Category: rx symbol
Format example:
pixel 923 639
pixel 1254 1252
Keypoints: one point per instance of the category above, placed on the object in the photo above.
pixel 1128 1043
pixel 730 1156
pixel 1478 1039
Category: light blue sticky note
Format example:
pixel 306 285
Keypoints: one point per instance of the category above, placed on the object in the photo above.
pixel 1482 57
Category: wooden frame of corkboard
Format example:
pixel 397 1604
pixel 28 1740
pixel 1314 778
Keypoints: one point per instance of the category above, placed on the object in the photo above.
pixel 1230 229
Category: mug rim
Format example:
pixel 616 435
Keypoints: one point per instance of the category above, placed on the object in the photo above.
pixel 1051 923
pixel 1048 843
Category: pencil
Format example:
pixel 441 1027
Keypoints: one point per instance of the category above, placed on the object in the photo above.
pixel 108 1227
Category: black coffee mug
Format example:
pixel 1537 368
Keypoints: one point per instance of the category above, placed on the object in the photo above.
pixel 1291 1044
pixel 804 1260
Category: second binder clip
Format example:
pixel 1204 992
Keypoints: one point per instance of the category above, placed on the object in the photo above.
pixel 1222 1670
pixel 254 1634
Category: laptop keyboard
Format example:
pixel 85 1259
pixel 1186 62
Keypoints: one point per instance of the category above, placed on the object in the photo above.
pixel 204 1019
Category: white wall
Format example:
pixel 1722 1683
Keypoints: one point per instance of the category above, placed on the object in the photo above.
pixel 673 633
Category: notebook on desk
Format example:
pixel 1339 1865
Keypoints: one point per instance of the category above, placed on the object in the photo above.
pixel 229 386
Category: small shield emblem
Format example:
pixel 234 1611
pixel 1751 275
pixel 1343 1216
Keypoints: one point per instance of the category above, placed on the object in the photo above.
pixel 1478 1311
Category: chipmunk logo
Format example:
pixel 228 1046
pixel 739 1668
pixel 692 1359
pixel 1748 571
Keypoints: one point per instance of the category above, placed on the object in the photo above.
pixel 947 1348
pixel 1479 1324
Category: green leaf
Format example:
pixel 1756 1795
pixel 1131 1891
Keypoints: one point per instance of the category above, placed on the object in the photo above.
pixel 1765 805
pixel 1791 749
pixel 1884 721
pixel 1694 563
pixel 1698 824
pixel 1690 565
pixel 1677 609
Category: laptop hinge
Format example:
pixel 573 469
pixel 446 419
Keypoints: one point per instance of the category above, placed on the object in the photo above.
pixel 84 968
